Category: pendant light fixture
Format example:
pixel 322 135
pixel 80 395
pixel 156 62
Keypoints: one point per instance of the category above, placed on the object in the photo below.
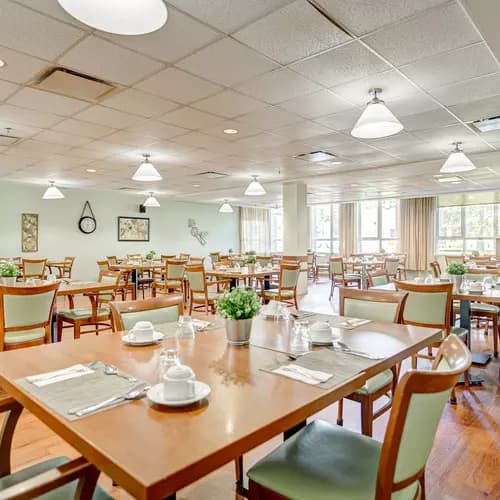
pixel 146 171
pixel 151 201
pixel 124 17
pixel 377 120
pixel 457 161
pixel 255 188
pixel 226 208
pixel 52 192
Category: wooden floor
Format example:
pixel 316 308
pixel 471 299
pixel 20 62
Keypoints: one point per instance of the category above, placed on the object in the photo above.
pixel 464 464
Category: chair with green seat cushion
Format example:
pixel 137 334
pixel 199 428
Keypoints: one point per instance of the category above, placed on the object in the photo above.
pixel 170 279
pixel 34 268
pixel 199 294
pixel 375 305
pixel 26 315
pixel 377 278
pixel 326 462
pixel 157 310
pixel 287 285
pixel 339 277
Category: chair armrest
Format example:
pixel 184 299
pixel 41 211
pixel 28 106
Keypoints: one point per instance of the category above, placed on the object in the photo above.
pixel 79 469
pixel 13 411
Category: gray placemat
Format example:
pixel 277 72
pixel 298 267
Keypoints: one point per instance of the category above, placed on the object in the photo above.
pixel 169 329
pixel 80 392
pixel 341 365
pixel 334 320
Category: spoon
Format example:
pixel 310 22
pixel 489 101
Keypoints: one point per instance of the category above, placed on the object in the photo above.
pixel 345 348
pixel 135 393
pixel 113 370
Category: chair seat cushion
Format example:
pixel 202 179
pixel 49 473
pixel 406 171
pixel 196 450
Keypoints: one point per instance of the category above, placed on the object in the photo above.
pixel 324 462
pixel 82 313
pixel 485 308
pixel 201 296
pixel 62 493
pixel 373 384
pixel 459 332
pixel 350 276
pixel 24 335
pixel 274 293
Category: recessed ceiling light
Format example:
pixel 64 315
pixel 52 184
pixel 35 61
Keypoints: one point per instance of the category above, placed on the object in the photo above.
pixel 316 156
pixel 354 185
pixel 452 179
pixel 196 185
pixel 2 63
pixel 91 170
pixel 230 131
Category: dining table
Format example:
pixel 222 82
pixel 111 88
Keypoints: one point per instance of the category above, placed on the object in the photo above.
pixel 154 451
pixel 243 273
pixel 365 265
pixel 134 268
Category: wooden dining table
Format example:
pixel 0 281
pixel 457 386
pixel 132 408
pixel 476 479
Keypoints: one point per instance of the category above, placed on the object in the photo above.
pixel 153 452
pixel 234 275
pixel 135 268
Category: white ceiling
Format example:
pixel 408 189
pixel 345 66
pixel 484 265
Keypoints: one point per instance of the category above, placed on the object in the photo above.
pixel 279 72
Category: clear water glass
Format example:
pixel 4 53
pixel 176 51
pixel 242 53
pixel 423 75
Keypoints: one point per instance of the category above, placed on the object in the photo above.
pixel 300 338
pixel 488 283
pixel 282 311
pixel 429 279
pixel 185 328
pixel 168 357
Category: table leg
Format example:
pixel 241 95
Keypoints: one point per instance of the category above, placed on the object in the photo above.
pixel 241 489
pixel 267 286
pixel 135 281
pixel 296 428
pixel 233 283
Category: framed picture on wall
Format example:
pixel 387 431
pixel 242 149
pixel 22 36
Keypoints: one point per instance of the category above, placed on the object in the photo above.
pixel 133 229
pixel 29 232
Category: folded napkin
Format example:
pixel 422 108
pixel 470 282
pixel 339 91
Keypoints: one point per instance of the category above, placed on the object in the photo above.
pixel 312 377
pixel 348 323
pixel 43 379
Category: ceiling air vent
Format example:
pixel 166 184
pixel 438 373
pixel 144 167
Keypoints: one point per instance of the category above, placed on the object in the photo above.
pixel 316 156
pixel 212 175
pixel 8 140
pixel 487 124
pixel 73 84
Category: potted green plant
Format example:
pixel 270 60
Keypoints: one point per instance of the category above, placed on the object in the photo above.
pixel 251 261
pixel 456 270
pixel 475 253
pixel 8 273
pixel 150 255
pixel 238 307
pixel 230 251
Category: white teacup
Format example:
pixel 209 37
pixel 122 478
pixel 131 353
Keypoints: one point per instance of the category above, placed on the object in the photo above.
pixel 142 331
pixel 179 383
pixel 321 331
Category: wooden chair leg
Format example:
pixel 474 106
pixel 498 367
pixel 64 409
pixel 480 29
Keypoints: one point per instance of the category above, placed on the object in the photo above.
pixel 76 327
pixel 414 362
pixel 495 336
pixel 59 328
pixel 340 413
pixel 422 486
pixel 367 417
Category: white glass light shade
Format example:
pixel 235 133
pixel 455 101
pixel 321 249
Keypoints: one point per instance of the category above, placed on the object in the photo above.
pixel 151 201
pixel 226 208
pixel 123 17
pixel 146 172
pixel 457 162
pixel 376 121
pixel 255 188
pixel 52 193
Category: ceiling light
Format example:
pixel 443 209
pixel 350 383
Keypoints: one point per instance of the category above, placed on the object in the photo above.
pixel 354 185
pixel 457 161
pixel 376 120
pixel 151 201
pixel 487 124
pixel 127 17
pixel 196 185
pixel 226 208
pixel 451 179
pixel 91 170
pixel 255 188
pixel 316 156
pixel 2 63
pixel 52 193
pixel 230 131
pixel 146 171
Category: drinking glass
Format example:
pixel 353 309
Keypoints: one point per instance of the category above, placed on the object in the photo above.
pixel 185 328
pixel 300 339
pixel 488 283
pixel 168 357
pixel 282 311
pixel 429 279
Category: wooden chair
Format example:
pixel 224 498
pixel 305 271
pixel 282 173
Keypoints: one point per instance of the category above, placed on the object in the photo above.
pixel 374 305
pixel 263 260
pixel 103 265
pixel 481 261
pixel 339 277
pixel 164 258
pixel 126 286
pixel 214 258
pixel 311 265
pixel 170 278
pixel 112 260
pixel 97 316
pixel 184 256
pixel 55 478
pixel 329 462
pixel 158 310
pixel 454 258
pixel 287 285
pixel 34 268
pixel 402 266
pixel 321 265
pixel 377 278
pixel 436 269
pixel 199 294
pixel 196 261
pixel 391 266
pixel 68 267
pixel 26 315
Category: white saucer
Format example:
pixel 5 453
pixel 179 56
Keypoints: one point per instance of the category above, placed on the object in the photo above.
pixel 157 337
pixel 155 394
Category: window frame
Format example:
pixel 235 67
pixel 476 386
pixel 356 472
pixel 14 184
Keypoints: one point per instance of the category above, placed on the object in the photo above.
pixel 379 236
pixel 333 241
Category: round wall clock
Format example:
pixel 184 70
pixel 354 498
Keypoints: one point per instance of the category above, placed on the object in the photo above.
pixel 87 223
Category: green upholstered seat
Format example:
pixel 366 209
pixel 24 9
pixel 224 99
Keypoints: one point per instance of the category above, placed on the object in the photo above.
pixel 65 492
pixel 274 293
pixel 24 335
pixel 380 280
pixel 82 313
pixel 488 308
pixel 210 295
pixel 156 316
pixel 168 282
pixel 324 462
pixel 352 276
pixel 377 382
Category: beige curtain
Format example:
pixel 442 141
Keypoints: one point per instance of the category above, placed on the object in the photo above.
pixel 255 230
pixel 348 229
pixel 417 222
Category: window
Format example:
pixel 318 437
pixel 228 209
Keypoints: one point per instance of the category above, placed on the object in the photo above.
pixel 468 228
pixel 276 220
pixel 325 228
pixel 378 226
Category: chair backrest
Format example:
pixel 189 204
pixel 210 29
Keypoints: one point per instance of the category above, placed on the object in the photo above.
pixel 68 266
pixel 164 258
pixel 454 258
pixel 24 311
pixel 103 265
pixel 336 266
pixel 134 256
pixel 215 257
pixel 157 310
pixel 417 407
pixel 377 278
pixel 289 276
pixel 310 258
pixel 34 268
pixel 184 255
pixel 113 278
pixel 427 304
pixel 112 260
pixel 435 268
pixel 175 269
pixel 196 260
pixel 196 278
pixel 375 305
pixel 391 265
pixel 264 259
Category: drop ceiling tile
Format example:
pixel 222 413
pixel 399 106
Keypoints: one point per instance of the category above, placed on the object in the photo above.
pixel 7 89
pixel 453 67
pixel 179 86
pixel 411 104
pixel 317 104
pixel 477 110
pixel 226 62
pixel 228 15
pixel 29 117
pixel 270 118
pixel 198 139
pixel 20 68
pixel 264 140
pixel 107 117
pixel 53 9
pixel 41 147
pixel 48 102
pixel 157 129
pixel 368 15
pixel 105 60
pixel 470 90
pixel 291 33
pixel 278 86
pixel 432 32
pixel 229 104
pixel 244 130
pixel 61 138
pixel 34 34
pixel 340 121
pixel 85 129
pixel 109 148
pixel 139 103
pixel 90 154
pixel 443 137
pixel 302 130
pixel 133 140
pixel 190 118
pixel 427 120
pixel 340 65
pixel 170 42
